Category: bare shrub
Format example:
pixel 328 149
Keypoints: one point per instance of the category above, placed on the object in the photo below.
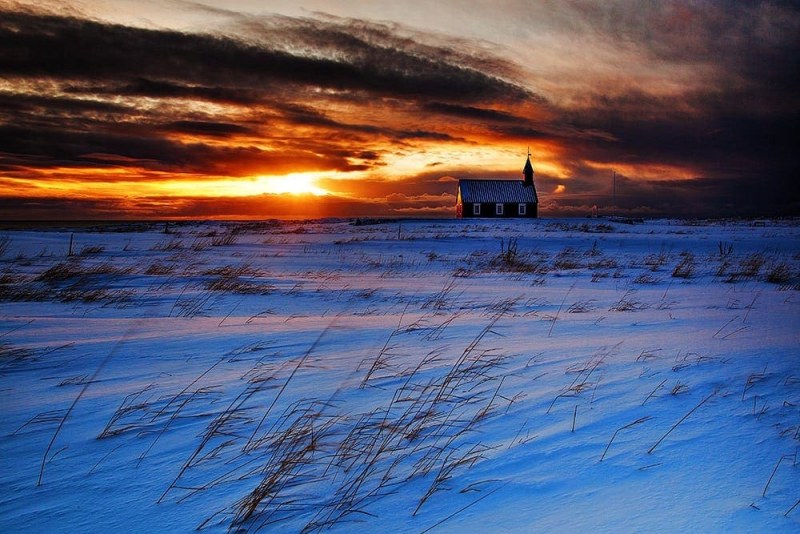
pixel 725 248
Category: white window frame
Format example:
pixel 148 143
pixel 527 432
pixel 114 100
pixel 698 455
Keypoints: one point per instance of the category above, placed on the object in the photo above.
pixel 498 209
pixel 476 208
pixel 522 209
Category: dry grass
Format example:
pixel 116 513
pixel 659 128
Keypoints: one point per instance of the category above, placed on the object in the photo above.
pixel 655 261
pixel 160 269
pixel 793 458
pixel 681 420
pixel 685 267
pixel 416 428
pixel 628 302
pixel 90 250
pixel 168 246
pixel 603 263
pixel 5 242
pixel 510 260
pixel 646 279
pixel 224 240
pixel 582 306
pixel 748 268
pixel 567 259
pixel 71 281
pixel 238 279
pixel 310 457
pixel 779 273
pixel 624 427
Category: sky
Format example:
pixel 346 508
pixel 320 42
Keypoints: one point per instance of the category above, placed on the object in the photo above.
pixel 140 109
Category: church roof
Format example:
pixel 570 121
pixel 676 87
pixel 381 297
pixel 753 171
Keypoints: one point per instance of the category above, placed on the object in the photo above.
pixel 506 191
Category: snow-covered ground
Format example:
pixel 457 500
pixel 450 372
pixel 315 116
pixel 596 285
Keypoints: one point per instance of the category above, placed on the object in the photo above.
pixel 452 376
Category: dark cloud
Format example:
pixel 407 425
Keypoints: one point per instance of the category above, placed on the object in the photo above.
pixel 712 142
pixel 679 198
pixel 753 45
pixel 471 112
pixel 214 129
pixel 301 115
pixel 347 56
pixel 22 147
pixel 36 103
pixel 169 89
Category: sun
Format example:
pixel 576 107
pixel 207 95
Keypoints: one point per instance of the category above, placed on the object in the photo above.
pixel 293 184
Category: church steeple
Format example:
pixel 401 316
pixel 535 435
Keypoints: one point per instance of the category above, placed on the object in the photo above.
pixel 527 172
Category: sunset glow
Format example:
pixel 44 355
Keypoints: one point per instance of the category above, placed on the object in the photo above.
pixel 294 184
pixel 340 109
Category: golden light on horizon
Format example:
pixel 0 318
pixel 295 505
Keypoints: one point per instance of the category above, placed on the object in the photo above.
pixel 120 182
pixel 294 184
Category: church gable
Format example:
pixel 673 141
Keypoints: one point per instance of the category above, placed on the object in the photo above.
pixel 498 198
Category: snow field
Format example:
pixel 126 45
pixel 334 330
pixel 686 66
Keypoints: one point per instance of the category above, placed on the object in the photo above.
pixel 405 376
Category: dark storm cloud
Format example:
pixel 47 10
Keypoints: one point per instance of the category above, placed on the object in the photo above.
pixel 75 49
pixel 743 113
pixel 167 89
pixel 753 44
pixel 471 112
pixel 21 147
pixel 730 197
pixel 307 116
pixel 214 129
pixel 59 208
pixel 32 103
pixel 713 140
